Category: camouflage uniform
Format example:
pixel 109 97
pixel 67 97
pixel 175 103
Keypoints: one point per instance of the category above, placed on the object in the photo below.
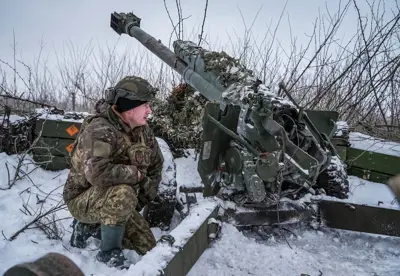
pixel 103 185
pixel 394 184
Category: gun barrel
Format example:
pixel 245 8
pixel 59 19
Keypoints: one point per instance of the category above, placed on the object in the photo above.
pixel 130 25
pixel 169 57
pixel 159 49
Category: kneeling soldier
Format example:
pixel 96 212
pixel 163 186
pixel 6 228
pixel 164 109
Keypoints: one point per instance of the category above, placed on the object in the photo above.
pixel 116 166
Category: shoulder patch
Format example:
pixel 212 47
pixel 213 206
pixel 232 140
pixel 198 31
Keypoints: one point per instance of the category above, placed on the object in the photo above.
pixel 101 149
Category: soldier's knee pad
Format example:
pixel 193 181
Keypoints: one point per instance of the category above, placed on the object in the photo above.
pixel 125 195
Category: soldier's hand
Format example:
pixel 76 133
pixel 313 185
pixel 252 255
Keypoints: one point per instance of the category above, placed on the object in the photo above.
pixel 147 189
pixel 157 200
pixel 141 175
pixel 144 185
pixel 152 194
pixel 142 201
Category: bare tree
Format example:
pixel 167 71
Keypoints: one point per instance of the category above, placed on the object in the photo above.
pixel 357 76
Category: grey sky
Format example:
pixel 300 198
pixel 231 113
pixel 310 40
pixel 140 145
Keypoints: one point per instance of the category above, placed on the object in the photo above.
pixel 80 21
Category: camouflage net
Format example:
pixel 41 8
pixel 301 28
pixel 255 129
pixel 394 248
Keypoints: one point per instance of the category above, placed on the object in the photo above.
pixel 226 68
pixel 16 137
pixel 178 119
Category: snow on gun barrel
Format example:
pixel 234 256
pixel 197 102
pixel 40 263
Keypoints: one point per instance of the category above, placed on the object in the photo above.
pixel 255 144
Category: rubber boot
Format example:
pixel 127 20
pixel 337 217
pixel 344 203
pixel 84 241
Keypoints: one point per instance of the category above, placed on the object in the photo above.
pixel 111 246
pixel 81 232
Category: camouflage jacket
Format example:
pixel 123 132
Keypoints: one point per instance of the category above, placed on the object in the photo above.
pixel 100 154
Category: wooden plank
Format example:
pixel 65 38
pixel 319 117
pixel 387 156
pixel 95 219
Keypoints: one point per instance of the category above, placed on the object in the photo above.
pixel 378 162
pixel 369 175
pixel 56 146
pixel 363 218
pixel 57 128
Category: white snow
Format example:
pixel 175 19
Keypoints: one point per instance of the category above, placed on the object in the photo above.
pixel 330 252
pixel 15 118
pixel 159 256
pixel 76 117
pixel 169 171
pixel 186 171
pixel 234 70
pixel 342 128
pixel 367 192
pixel 30 197
pixel 365 142
pixel 310 252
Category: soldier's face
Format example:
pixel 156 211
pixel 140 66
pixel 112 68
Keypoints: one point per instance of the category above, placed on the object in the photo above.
pixel 138 116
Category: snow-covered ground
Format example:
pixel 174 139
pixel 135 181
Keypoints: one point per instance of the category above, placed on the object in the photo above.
pixel 312 252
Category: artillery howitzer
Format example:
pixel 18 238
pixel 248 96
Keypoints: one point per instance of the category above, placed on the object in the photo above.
pixel 256 148
pixel 255 144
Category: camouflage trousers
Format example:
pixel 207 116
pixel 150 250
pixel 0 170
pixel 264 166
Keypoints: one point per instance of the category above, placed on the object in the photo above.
pixel 111 206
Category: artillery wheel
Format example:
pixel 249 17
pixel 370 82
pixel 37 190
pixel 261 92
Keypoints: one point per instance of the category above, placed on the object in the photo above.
pixel 334 180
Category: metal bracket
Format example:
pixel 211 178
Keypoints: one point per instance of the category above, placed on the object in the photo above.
pixel 121 22
pixel 190 200
pixel 167 238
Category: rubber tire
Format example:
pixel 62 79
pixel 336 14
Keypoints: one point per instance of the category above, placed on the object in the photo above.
pixel 334 180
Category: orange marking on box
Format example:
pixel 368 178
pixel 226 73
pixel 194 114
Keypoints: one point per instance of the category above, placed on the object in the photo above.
pixel 69 147
pixel 72 130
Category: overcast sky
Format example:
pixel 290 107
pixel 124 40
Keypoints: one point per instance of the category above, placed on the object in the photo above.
pixel 79 21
